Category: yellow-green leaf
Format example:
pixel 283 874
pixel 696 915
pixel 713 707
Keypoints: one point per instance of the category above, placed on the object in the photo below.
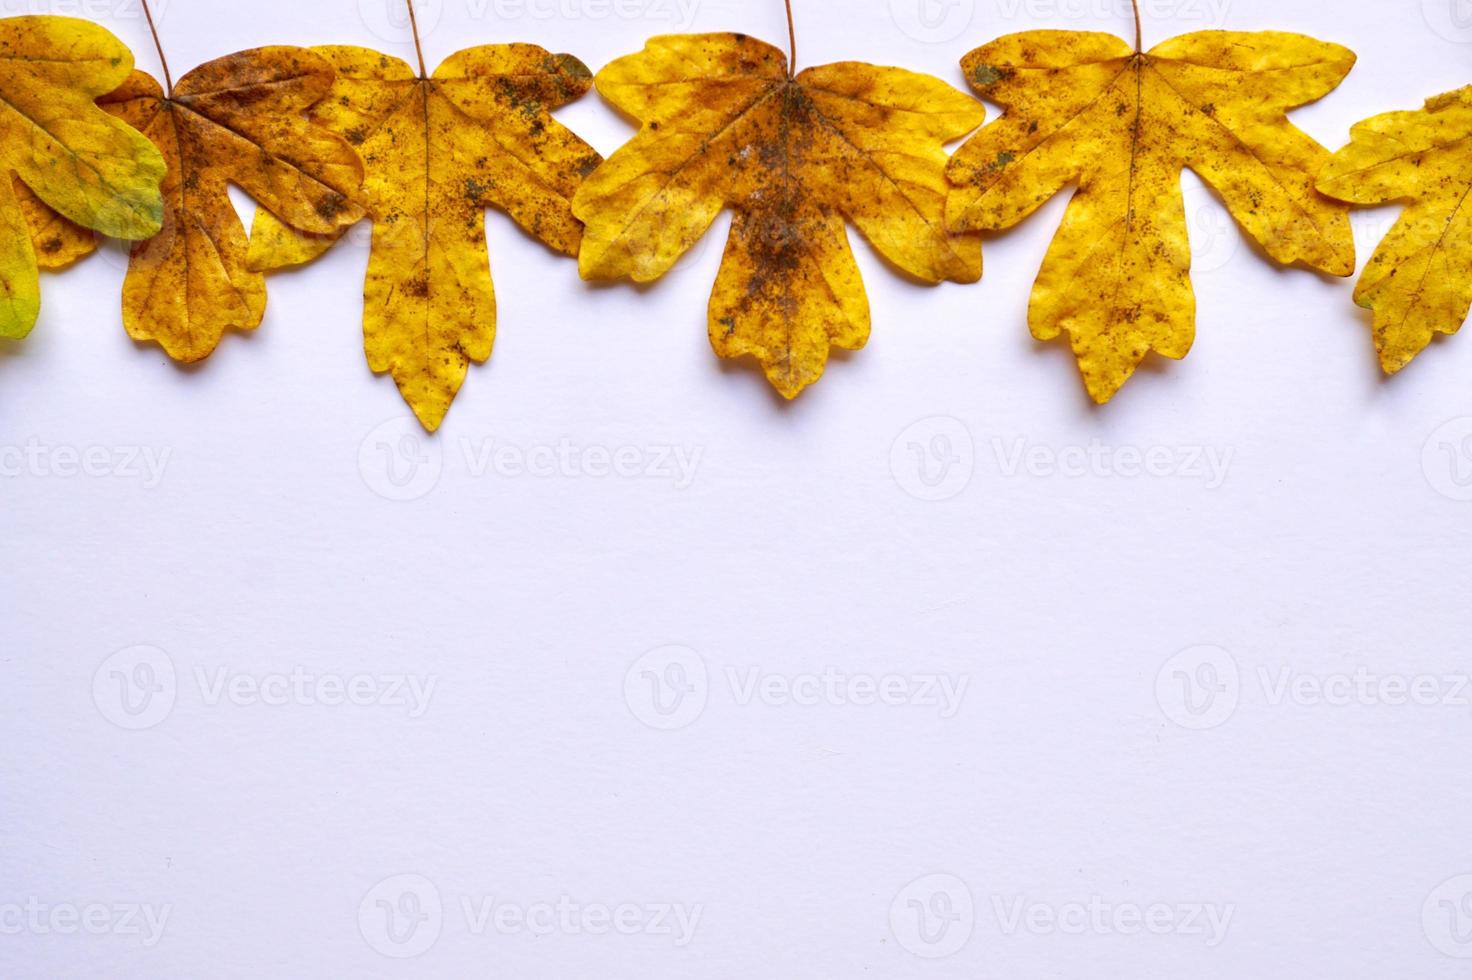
pixel 90 168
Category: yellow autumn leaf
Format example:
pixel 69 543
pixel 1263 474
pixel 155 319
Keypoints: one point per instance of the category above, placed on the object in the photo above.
pixel 56 241
pixel 236 120
pixel 1085 108
pixel 84 166
pixel 1419 281
pixel 725 126
pixel 478 133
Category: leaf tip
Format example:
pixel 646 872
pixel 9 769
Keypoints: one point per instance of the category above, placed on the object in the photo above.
pixel 431 415
pixel 18 317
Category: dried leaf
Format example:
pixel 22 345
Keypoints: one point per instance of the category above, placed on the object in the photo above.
pixel 438 152
pixel 87 166
pixel 724 125
pixel 236 120
pixel 1085 108
pixel 1419 281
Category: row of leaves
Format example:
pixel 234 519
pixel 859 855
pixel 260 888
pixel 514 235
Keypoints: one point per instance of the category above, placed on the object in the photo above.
pixel 322 138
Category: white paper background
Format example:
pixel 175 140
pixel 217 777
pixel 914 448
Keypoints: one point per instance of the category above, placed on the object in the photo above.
pixel 816 837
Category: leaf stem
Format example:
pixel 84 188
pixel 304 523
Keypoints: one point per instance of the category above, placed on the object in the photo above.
pixel 791 44
pixel 418 47
pixel 158 46
pixel 1139 43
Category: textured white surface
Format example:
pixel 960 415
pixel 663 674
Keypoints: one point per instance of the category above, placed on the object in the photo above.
pixel 1302 824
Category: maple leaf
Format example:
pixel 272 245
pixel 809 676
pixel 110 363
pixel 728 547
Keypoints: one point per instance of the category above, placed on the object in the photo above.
pixel 1418 283
pixel 236 120
pixel 1086 108
pixel 90 168
pixel 478 133
pixel 725 125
